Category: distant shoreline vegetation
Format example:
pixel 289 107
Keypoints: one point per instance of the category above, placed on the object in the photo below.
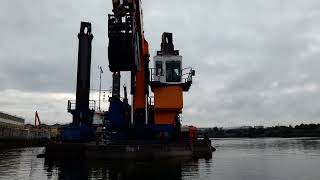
pixel 302 130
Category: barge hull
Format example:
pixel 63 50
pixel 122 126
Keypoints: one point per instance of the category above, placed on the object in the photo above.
pixel 199 149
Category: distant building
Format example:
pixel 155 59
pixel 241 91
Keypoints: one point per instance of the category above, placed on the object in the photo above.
pixel 56 125
pixel 10 120
pixel 245 127
pixel 44 130
pixel 258 127
pixel 28 126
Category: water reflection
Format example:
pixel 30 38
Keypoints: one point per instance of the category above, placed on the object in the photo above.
pixel 269 143
pixel 263 159
pixel 21 163
pixel 9 158
pixel 121 170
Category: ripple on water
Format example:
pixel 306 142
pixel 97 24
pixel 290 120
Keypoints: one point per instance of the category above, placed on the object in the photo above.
pixel 274 158
pixel 21 163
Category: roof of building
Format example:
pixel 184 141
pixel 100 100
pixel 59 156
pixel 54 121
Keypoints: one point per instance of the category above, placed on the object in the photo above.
pixel 11 117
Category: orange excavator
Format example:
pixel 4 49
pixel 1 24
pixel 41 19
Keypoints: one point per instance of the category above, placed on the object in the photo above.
pixel 150 126
pixel 128 50
pixel 146 117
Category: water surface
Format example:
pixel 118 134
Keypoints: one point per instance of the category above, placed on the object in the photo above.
pixel 247 159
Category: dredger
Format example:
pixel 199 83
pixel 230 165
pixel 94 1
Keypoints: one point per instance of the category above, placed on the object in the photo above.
pixel 147 127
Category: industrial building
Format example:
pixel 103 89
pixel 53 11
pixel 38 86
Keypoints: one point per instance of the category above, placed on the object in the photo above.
pixel 8 120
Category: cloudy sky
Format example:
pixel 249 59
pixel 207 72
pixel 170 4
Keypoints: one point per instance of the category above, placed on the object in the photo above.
pixel 257 62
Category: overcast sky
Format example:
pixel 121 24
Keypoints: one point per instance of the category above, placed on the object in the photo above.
pixel 256 61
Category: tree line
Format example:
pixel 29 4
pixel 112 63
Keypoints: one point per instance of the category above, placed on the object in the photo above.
pixel 302 130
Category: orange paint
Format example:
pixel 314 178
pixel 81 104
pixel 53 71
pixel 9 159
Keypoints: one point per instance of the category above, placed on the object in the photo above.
pixel 145 47
pixel 140 94
pixel 165 117
pixel 193 133
pixel 170 97
pixel 168 103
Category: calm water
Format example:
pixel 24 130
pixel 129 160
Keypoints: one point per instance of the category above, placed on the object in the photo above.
pixel 247 159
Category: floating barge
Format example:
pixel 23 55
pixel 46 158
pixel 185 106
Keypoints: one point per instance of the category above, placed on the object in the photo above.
pixel 148 127
pixel 141 150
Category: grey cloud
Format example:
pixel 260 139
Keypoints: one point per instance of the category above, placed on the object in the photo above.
pixel 247 54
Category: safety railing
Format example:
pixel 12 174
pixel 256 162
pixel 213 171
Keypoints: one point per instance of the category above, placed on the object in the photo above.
pixel 154 75
pixel 186 75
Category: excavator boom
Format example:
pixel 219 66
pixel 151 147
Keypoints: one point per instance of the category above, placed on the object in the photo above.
pixel 128 51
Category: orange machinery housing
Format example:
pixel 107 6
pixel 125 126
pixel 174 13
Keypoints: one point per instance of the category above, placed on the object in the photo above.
pixel 168 103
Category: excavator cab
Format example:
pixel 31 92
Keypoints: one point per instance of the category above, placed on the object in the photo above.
pixel 168 66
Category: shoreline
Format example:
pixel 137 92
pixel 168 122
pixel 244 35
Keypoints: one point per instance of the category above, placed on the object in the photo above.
pixel 21 143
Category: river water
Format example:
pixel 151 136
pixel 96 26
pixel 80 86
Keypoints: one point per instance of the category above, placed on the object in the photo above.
pixel 235 159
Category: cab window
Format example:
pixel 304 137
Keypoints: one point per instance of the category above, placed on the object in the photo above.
pixel 173 71
pixel 158 68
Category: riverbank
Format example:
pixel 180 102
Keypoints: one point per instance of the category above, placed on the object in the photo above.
pixel 14 137
pixel 303 130
pixel 21 143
